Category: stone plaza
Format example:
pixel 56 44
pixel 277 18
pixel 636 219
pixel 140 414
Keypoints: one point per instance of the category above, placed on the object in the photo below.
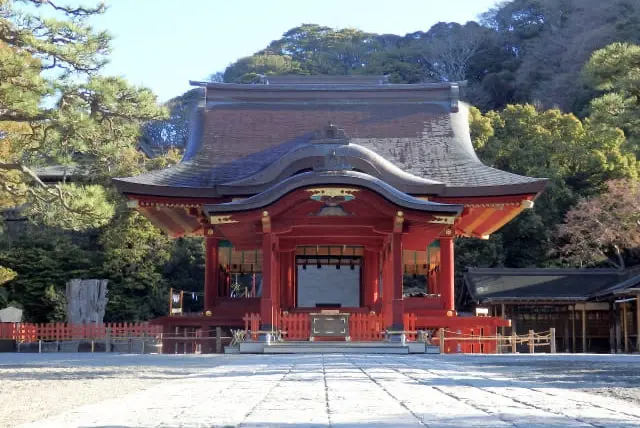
pixel 111 390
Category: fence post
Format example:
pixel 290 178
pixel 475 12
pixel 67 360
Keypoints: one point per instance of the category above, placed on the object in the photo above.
pixel 552 334
pixel 531 342
pixel 499 344
pixel 514 343
pixel 441 340
pixel 184 346
pixel 107 340
pixel 39 346
pixel 218 340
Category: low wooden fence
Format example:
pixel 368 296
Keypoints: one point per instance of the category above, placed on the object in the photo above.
pixel 194 340
pixel 465 343
pixel 27 332
pixel 362 326
pixel 366 327
pixel 295 326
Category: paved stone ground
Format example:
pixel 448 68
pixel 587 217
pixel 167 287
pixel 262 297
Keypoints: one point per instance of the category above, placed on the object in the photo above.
pixel 354 391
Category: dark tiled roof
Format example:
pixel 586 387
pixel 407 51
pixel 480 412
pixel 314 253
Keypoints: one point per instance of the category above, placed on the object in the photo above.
pixel 538 284
pixel 241 136
pixel 629 279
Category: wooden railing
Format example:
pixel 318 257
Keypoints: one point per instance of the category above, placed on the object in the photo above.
pixel 252 325
pixel 366 327
pixel 472 343
pixel 27 332
pixel 410 321
pixel 295 326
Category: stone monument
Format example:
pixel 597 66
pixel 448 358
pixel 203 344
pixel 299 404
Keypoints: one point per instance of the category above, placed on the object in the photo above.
pixel 86 301
pixel 11 314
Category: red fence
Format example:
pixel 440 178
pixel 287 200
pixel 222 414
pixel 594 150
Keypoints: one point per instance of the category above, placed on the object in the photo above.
pixel 295 326
pixel 362 326
pixel 252 325
pixel 410 321
pixel 366 327
pixel 26 332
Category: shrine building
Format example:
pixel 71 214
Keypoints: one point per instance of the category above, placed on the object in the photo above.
pixel 343 193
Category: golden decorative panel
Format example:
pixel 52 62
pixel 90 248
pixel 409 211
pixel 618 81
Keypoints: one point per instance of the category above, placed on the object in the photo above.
pixel 332 194
pixel 442 219
pixel 221 219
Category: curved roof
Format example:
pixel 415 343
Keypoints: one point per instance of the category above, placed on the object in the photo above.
pixel 246 138
pixel 327 178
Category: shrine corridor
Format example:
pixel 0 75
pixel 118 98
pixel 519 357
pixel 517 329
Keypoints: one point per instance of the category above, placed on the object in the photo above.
pixel 73 390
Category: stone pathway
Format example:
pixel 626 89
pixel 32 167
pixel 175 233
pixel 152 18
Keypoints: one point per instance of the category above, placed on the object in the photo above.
pixel 349 391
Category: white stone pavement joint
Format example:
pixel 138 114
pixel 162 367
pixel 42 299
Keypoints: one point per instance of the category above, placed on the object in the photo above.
pixel 379 385
pixel 264 399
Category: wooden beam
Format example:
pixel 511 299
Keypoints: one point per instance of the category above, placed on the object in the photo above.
pixel 497 223
pixel 447 284
pixel 573 329
pixel 398 221
pixel 211 273
pixel 584 330
pixel 161 221
pixel 638 322
pixel 178 218
pixel 488 212
pixel 625 329
pixel 484 201
pixel 266 222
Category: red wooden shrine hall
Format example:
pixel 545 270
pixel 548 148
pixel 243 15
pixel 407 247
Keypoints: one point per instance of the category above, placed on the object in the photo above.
pixel 344 193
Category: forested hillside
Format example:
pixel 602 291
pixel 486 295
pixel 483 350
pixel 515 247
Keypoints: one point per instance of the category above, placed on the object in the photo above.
pixel 556 84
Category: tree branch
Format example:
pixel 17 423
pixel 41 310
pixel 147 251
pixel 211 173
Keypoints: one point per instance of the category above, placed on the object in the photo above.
pixel 77 11
pixel 25 170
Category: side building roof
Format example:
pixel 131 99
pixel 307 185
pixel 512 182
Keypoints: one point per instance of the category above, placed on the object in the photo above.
pixel 246 138
pixel 501 285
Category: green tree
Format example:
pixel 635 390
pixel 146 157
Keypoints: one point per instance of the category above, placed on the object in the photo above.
pixel 45 260
pixel 616 70
pixel 135 254
pixel 55 108
pixel 576 157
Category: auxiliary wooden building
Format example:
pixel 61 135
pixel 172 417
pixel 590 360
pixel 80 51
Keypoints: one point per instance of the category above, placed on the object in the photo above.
pixel 592 310
pixel 317 193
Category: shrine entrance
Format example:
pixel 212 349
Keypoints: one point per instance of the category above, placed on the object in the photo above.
pixel 328 277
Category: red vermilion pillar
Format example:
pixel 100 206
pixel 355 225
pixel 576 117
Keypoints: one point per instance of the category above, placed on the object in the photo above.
pixel 211 272
pixel 367 279
pixel 375 276
pixel 387 288
pixel 268 283
pixel 292 278
pixel 287 265
pixel 446 280
pixel 276 278
pixel 396 282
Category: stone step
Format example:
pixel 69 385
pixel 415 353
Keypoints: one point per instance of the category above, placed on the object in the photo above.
pixel 335 348
pixel 344 349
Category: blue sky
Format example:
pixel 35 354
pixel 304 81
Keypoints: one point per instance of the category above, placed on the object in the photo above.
pixel 162 44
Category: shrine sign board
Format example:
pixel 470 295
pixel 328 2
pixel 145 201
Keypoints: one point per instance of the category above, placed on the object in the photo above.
pixel 329 324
